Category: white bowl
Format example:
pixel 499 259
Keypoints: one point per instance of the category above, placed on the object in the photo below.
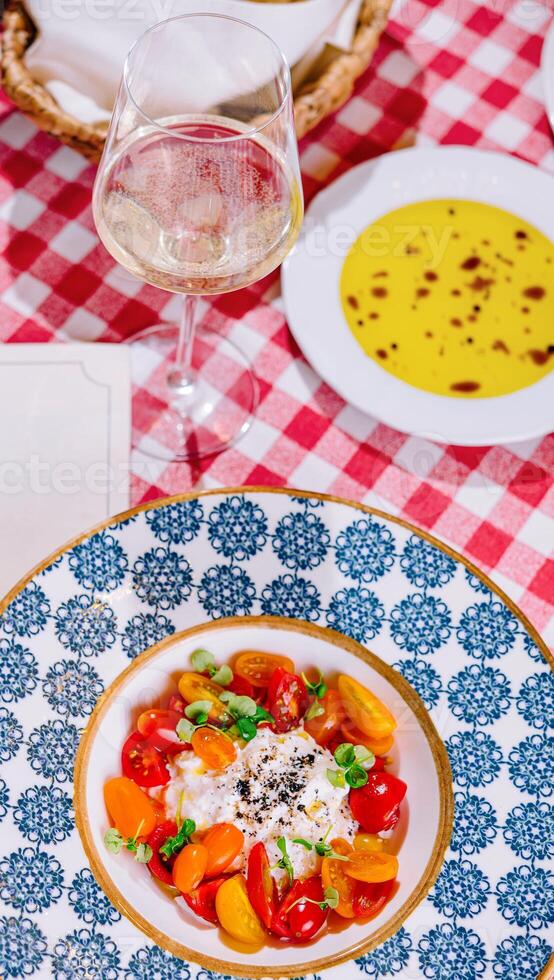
pixel 419 757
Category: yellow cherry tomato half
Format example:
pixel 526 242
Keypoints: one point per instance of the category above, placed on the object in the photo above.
pixel 371 866
pixel 368 842
pixel 216 750
pixel 379 746
pixel 365 709
pixel 224 843
pixel 189 868
pixel 196 687
pixel 236 914
pixel 258 667
pixel 333 876
pixel 132 812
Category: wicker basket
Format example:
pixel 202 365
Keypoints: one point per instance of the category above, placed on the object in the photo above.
pixel 314 101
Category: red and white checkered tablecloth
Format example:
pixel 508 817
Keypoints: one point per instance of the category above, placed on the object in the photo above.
pixel 451 71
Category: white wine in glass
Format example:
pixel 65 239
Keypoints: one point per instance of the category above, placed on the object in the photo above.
pixel 198 192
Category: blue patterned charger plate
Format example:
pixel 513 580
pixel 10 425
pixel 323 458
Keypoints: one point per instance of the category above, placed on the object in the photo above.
pixel 71 626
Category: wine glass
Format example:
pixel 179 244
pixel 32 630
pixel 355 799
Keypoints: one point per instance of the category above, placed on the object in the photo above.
pixel 198 192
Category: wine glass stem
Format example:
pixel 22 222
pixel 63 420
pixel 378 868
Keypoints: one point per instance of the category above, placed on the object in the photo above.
pixel 180 376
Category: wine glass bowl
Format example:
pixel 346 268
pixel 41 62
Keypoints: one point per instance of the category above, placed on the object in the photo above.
pixel 198 192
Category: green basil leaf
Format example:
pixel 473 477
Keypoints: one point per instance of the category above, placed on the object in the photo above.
pixel 345 755
pixel 335 777
pixel 202 660
pixel 356 776
pixel 223 676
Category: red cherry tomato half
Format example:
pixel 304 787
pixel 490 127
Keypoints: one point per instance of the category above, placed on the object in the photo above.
pixel 159 865
pixel 379 764
pixel 202 899
pixel 288 699
pixel 370 897
pixel 376 805
pixel 177 704
pixel 304 919
pixel 260 885
pixel 158 726
pixel 239 685
pixel 143 762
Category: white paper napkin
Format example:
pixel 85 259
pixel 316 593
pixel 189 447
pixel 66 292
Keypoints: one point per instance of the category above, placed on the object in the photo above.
pixel 80 49
pixel 64 446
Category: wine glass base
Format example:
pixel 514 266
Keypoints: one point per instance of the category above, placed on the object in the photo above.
pixel 202 420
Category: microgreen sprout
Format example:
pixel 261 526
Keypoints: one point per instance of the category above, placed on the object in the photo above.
pixel 204 663
pixel 174 844
pixel 314 711
pixel 321 847
pixel 354 761
pixel 114 841
pixel 198 711
pixel 246 714
pixel 285 862
pixel 317 688
pixel 330 900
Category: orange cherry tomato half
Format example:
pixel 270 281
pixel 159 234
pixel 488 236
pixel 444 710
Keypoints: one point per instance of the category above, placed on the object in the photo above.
pixel 257 667
pixel 371 866
pixel 333 875
pixel 131 811
pixel 224 843
pixel 365 709
pixel 189 868
pixel 158 726
pixel 214 748
pixel 379 746
pixel 196 687
pixel 368 842
pixel 323 727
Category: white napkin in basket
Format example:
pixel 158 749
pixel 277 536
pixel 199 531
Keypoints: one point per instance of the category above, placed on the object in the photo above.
pixel 81 47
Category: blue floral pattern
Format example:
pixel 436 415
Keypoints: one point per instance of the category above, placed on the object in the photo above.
pixel 420 623
pixel 388 959
pixel 89 902
pixel 292 596
pixel 301 541
pixel 488 630
pixel 177 523
pixel 44 814
pixel 365 550
pixel 143 631
pixel 460 890
pixel 485 679
pixel 85 955
pixel 18 671
pixel 424 566
pixel 86 626
pixel 30 880
pixel 536 701
pixel 162 578
pixel 99 564
pixel 28 614
pixel 226 590
pixel 11 734
pixel 72 687
pixel 357 612
pixel 237 528
pixel 529 830
pixel 479 695
pixel 22 947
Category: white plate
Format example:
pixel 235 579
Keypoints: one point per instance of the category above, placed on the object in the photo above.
pixel 311 289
